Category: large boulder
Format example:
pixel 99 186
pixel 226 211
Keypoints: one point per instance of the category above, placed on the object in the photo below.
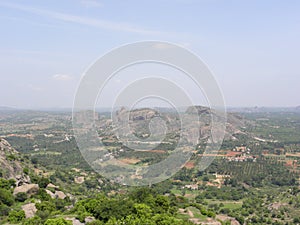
pixel 29 210
pixel 60 194
pixel 29 189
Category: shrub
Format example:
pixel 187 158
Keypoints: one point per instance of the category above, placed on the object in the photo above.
pixel 16 216
pixel 21 197
pixel 95 222
pixel 6 197
pixel 58 221
pixel 32 221
pixel 4 210
pixel 26 170
pixel 7 184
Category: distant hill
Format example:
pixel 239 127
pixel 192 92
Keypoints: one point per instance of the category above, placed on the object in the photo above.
pixel 263 109
pixel 140 118
pixel 6 108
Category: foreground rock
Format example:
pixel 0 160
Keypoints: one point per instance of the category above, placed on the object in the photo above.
pixel 29 210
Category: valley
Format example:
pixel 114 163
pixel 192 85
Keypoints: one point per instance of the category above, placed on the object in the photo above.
pixel 254 178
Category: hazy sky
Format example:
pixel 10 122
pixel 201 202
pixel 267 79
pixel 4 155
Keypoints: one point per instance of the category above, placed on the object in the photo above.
pixel 252 47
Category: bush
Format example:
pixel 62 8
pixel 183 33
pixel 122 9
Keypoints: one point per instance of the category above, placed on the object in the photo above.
pixel 43 214
pixel 4 210
pixel 225 211
pixel 26 170
pixel 6 197
pixel 11 157
pixel 43 195
pixel 296 220
pixel 58 221
pixel 16 216
pixel 206 178
pixel 81 217
pixel 7 184
pixel 32 221
pixel 41 181
pixel 47 205
pixel 21 197
pixel 95 222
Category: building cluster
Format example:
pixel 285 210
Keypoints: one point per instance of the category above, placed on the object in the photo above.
pixel 240 154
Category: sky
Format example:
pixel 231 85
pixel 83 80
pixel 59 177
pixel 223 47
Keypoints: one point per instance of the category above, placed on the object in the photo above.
pixel 252 47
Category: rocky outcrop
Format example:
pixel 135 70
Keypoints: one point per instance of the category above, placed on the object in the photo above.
pixel 50 193
pixel 225 218
pixel 29 189
pixel 22 179
pixel 56 194
pixel 204 115
pixel 11 167
pixel 200 110
pixel 74 221
pixel 60 194
pixel 139 114
pixel 29 210
pixel 79 180
pixel 77 222
pixel 50 185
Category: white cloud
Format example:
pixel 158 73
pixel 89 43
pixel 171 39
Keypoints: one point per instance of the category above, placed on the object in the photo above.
pixel 62 77
pixel 91 3
pixel 103 24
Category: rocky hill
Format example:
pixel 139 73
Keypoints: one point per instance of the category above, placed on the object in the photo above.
pixel 11 165
pixel 195 118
